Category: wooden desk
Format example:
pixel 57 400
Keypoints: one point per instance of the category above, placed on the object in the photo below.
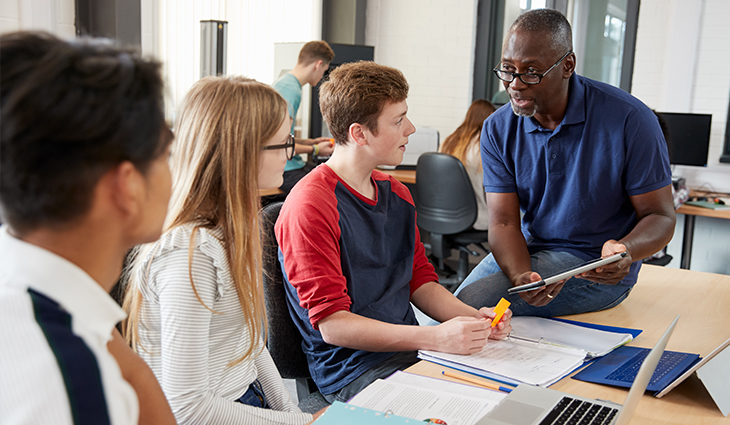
pixel 703 299
pixel 690 213
pixel 403 176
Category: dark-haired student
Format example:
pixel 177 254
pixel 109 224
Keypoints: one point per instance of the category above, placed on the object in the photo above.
pixel 83 178
pixel 351 252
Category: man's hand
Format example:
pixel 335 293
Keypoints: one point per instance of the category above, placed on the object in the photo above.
pixel 503 328
pixel 538 297
pixel 462 335
pixel 610 273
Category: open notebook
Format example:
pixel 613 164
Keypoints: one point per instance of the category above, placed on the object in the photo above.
pixel 538 352
pixel 529 405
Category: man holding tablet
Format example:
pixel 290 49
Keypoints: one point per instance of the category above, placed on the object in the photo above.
pixel 588 165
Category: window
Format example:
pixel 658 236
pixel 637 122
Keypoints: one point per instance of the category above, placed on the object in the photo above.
pixel 725 157
pixel 171 32
pixel 604 37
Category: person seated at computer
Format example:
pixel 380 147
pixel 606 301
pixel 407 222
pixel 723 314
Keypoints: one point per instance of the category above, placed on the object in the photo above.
pixel 350 249
pixel 463 143
pixel 313 61
pixel 195 297
pixel 83 178
pixel 588 165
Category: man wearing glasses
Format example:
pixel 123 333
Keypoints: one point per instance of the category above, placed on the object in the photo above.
pixel 587 164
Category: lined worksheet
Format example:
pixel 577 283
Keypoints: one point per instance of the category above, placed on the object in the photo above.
pixel 514 361
pixel 421 397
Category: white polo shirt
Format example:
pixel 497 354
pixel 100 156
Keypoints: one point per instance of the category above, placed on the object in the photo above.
pixel 55 322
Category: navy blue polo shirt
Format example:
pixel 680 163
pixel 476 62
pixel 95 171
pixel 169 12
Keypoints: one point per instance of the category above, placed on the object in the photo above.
pixel 574 182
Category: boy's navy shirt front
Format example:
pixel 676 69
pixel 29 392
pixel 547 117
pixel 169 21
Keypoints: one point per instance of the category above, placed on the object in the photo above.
pixel 342 251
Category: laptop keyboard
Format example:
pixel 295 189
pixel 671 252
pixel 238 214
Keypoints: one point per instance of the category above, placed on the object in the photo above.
pixel 627 372
pixel 571 411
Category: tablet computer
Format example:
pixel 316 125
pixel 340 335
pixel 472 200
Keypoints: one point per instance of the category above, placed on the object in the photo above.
pixel 581 268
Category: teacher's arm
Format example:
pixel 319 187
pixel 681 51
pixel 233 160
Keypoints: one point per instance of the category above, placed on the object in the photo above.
pixel 510 248
pixel 653 231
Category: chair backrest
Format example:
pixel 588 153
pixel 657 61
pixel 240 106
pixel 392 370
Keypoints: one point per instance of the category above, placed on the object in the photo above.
pixel 284 341
pixel 445 201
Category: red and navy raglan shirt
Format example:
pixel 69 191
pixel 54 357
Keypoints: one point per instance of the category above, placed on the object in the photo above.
pixel 342 251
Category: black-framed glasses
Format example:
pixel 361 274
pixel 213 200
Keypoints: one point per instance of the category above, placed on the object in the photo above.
pixel 289 146
pixel 526 77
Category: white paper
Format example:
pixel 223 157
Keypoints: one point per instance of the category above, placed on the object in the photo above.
pixel 421 397
pixel 530 363
pixel 594 341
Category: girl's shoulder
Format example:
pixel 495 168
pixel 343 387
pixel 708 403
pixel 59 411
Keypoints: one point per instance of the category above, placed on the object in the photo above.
pixel 175 243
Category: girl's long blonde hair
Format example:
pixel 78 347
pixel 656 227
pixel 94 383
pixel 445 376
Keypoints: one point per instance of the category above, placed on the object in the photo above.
pixel 220 131
pixel 458 142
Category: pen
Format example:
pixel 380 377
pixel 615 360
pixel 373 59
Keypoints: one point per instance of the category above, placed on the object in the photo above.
pixel 476 381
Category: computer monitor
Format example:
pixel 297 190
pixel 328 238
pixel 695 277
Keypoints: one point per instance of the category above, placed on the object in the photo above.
pixel 688 136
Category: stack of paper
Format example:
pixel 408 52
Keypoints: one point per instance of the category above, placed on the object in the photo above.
pixel 538 352
pixel 514 361
pixel 421 397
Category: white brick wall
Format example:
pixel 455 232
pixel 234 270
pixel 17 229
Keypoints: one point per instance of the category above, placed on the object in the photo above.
pixel 432 43
pixel 681 65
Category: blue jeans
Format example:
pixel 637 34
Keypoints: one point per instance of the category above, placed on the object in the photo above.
pixel 486 284
pixel 255 396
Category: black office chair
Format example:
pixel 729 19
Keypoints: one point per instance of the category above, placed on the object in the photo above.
pixel 284 340
pixel 447 209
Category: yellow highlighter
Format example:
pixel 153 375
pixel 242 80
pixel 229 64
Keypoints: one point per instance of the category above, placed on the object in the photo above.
pixel 499 311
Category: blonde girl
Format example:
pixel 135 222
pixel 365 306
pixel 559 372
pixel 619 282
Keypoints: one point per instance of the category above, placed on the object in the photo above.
pixel 194 298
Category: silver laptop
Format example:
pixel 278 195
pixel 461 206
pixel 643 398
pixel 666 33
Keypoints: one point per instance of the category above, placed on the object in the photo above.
pixel 528 404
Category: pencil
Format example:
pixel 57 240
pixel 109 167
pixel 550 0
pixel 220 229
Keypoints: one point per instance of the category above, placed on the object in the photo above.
pixel 476 381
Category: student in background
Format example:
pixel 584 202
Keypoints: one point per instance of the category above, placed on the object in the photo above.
pixel 83 178
pixel 351 252
pixel 314 59
pixel 463 143
pixel 195 297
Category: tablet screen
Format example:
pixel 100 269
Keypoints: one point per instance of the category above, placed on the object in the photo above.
pixel 566 274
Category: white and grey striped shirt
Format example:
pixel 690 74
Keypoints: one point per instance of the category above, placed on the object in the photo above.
pixel 189 347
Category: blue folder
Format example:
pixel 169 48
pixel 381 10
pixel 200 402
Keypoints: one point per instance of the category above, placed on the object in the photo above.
pixel 504 380
pixel 634 332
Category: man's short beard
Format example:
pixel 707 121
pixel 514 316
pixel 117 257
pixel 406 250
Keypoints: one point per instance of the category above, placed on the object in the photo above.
pixel 523 112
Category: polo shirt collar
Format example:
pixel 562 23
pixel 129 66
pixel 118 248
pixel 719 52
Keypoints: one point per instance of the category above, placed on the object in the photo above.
pixel 575 112
pixel 67 284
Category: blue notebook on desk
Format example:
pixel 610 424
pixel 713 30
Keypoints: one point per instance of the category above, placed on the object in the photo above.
pixel 619 368
pixel 342 413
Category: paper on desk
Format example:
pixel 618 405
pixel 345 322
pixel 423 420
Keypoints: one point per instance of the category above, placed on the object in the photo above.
pixel 421 397
pixel 595 342
pixel 520 361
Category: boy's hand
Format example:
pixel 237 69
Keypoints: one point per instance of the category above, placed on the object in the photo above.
pixel 462 335
pixel 501 329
